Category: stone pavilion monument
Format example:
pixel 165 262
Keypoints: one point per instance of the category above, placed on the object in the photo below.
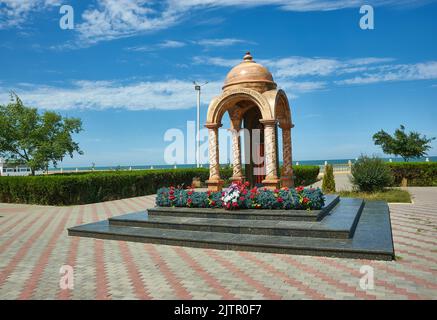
pixel 343 227
pixel 252 99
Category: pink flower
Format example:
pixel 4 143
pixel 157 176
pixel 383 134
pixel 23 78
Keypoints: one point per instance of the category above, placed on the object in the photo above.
pixel 280 200
pixel 300 189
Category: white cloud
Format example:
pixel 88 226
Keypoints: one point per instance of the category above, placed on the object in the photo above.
pixel 164 95
pixel 397 72
pixel 112 19
pixel 15 12
pixel 216 61
pixel 224 42
pixel 167 44
pixel 295 66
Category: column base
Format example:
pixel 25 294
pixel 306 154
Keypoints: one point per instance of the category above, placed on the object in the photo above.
pixel 215 185
pixel 271 184
pixel 236 179
pixel 287 182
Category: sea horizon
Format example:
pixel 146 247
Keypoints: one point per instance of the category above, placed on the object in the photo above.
pixel 319 162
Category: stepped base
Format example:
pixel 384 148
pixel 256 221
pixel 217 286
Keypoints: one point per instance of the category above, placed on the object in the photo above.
pixel 353 229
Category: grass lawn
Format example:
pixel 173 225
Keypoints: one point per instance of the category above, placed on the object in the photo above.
pixel 389 195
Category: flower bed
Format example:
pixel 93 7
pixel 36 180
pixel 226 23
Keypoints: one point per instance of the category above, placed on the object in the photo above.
pixel 240 196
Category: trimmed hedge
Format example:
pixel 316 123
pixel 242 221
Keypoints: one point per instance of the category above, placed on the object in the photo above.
pixel 93 187
pixel 83 188
pixel 420 174
pixel 305 175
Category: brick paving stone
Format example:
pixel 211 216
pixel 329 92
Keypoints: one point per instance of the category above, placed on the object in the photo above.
pixel 34 245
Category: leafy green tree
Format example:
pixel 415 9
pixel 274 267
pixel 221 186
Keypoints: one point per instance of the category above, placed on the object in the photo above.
pixel 36 139
pixel 407 145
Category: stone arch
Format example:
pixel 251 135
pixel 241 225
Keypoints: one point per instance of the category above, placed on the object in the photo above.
pixel 231 97
pixel 282 110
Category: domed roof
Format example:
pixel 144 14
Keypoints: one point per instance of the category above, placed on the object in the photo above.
pixel 249 72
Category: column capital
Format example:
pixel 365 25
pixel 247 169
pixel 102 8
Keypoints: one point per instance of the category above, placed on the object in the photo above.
pixel 268 122
pixel 287 126
pixel 210 125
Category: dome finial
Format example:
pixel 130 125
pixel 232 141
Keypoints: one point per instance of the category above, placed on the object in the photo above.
pixel 247 57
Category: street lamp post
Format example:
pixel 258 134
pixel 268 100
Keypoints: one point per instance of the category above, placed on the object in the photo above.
pixel 197 87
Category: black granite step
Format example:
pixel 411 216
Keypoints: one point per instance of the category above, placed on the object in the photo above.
pixel 250 214
pixel 372 238
pixel 348 213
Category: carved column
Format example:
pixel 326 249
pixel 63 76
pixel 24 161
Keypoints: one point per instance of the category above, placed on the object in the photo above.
pixel 287 167
pixel 237 172
pixel 214 183
pixel 271 180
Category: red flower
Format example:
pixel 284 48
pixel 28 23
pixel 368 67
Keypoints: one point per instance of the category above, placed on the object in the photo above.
pixel 241 198
pixel 305 200
pixel 276 191
pixel 252 196
pixel 189 200
pixel 190 192
pixel 280 200
pixel 213 203
pixel 300 189
pixel 171 191
pixel 244 191
pixel 246 183
pixel 234 204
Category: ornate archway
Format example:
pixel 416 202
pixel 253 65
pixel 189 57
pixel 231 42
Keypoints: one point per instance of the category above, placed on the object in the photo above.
pixel 250 94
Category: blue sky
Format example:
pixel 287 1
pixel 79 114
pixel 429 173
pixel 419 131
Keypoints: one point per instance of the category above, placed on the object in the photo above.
pixel 126 68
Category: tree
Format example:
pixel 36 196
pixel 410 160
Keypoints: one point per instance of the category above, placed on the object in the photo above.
pixel 36 139
pixel 411 145
pixel 328 184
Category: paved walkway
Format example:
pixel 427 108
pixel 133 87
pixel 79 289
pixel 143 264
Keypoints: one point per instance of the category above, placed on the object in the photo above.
pixel 342 182
pixel 34 245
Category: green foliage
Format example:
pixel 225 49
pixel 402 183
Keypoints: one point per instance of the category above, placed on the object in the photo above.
pixel 371 174
pixel 305 175
pixel 98 186
pixel 417 173
pixel 36 139
pixel 92 187
pixel 328 184
pixel 411 145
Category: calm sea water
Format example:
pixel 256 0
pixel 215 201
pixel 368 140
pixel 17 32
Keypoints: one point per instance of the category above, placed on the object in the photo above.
pixel 304 162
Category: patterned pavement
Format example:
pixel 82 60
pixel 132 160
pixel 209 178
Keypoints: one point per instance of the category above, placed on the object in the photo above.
pixel 34 245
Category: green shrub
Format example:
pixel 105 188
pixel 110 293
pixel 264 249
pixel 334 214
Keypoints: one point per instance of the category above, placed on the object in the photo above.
pixel 98 186
pixel 417 173
pixel 371 174
pixel 328 184
pixel 92 187
pixel 305 175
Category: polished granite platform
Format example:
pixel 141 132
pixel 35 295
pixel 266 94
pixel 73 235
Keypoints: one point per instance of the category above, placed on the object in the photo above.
pixel 345 227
